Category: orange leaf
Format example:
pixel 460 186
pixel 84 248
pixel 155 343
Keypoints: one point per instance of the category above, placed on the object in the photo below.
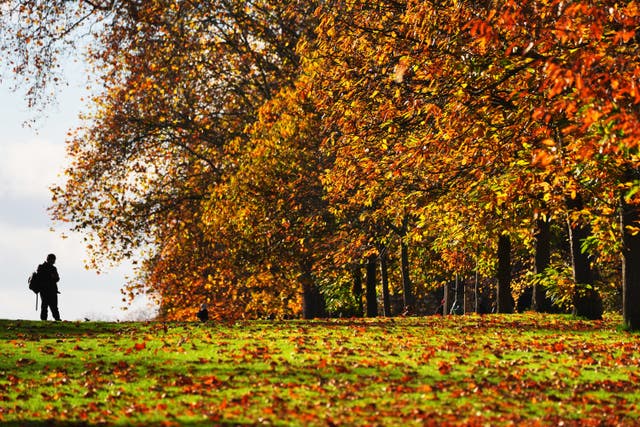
pixel 444 367
pixel 542 158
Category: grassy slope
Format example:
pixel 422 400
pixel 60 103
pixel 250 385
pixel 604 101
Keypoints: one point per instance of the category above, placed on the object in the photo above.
pixel 519 369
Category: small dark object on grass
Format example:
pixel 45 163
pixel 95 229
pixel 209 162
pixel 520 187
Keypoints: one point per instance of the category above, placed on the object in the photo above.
pixel 203 314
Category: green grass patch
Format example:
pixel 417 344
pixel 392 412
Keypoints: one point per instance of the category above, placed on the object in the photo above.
pixel 456 370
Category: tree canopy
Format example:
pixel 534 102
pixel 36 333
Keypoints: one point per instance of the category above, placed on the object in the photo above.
pixel 256 154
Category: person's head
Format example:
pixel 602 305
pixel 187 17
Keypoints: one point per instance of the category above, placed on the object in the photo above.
pixel 51 259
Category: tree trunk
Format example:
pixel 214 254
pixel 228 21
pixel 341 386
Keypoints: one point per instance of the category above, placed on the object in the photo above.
pixel 458 304
pixel 357 290
pixel 384 274
pixel 464 296
pixel 586 300
pixel 505 301
pixel 407 287
pixel 525 300
pixel 312 300
pixel 372 302
pixel 630 267
pixel 540 302
pixel 476 299
pixel 445 299
pixel 408 298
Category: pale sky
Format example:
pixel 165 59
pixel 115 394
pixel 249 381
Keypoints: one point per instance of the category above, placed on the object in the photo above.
pixel 31 159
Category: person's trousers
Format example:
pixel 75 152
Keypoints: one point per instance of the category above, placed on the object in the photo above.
pixel 49 301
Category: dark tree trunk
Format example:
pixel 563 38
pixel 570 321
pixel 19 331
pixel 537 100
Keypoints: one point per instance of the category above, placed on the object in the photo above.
pixel 463 284
pixel 540 302
pixel 525 300
pixel 407 287
pixel 384 275
pixel 408 298
pixel 505 301
pixel 313 305
pixel 372 302
pixel 476 297
pixel 357 290
pixel 313 302
pixel 445 299
pixel 630 216
pixel 586 300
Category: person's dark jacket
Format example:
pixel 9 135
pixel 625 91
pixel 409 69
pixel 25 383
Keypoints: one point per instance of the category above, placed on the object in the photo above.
pixel 49 278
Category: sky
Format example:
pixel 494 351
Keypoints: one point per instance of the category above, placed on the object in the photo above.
pixel 32 158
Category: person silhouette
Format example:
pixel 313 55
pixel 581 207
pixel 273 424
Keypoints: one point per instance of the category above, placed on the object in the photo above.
pixel 49 288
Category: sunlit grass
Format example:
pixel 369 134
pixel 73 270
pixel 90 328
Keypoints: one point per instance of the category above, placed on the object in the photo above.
pixel 456 370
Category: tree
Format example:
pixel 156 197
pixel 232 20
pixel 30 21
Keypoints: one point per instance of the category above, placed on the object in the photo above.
pixel 274 204
pixel 629 220
pixel 181 80
pixel 423 127
pixel 587 302
pixel 504 298
pixel 540 302
pixel 384 277
pixel 372 302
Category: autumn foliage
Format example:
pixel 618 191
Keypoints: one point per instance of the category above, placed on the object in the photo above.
pixel 257 155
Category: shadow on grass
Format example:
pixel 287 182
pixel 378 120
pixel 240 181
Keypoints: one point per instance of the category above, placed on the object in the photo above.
pixel 35 329
pixel 474 322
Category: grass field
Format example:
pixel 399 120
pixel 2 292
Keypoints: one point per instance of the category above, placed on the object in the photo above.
pixel 458 370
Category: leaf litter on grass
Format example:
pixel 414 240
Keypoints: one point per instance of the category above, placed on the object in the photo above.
pixel 459 370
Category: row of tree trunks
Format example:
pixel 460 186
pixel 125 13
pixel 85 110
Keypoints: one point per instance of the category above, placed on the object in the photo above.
pixel 371 301
pixel 587 301
pixel 381 259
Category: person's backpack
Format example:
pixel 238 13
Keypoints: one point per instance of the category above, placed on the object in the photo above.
pixel 35 282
